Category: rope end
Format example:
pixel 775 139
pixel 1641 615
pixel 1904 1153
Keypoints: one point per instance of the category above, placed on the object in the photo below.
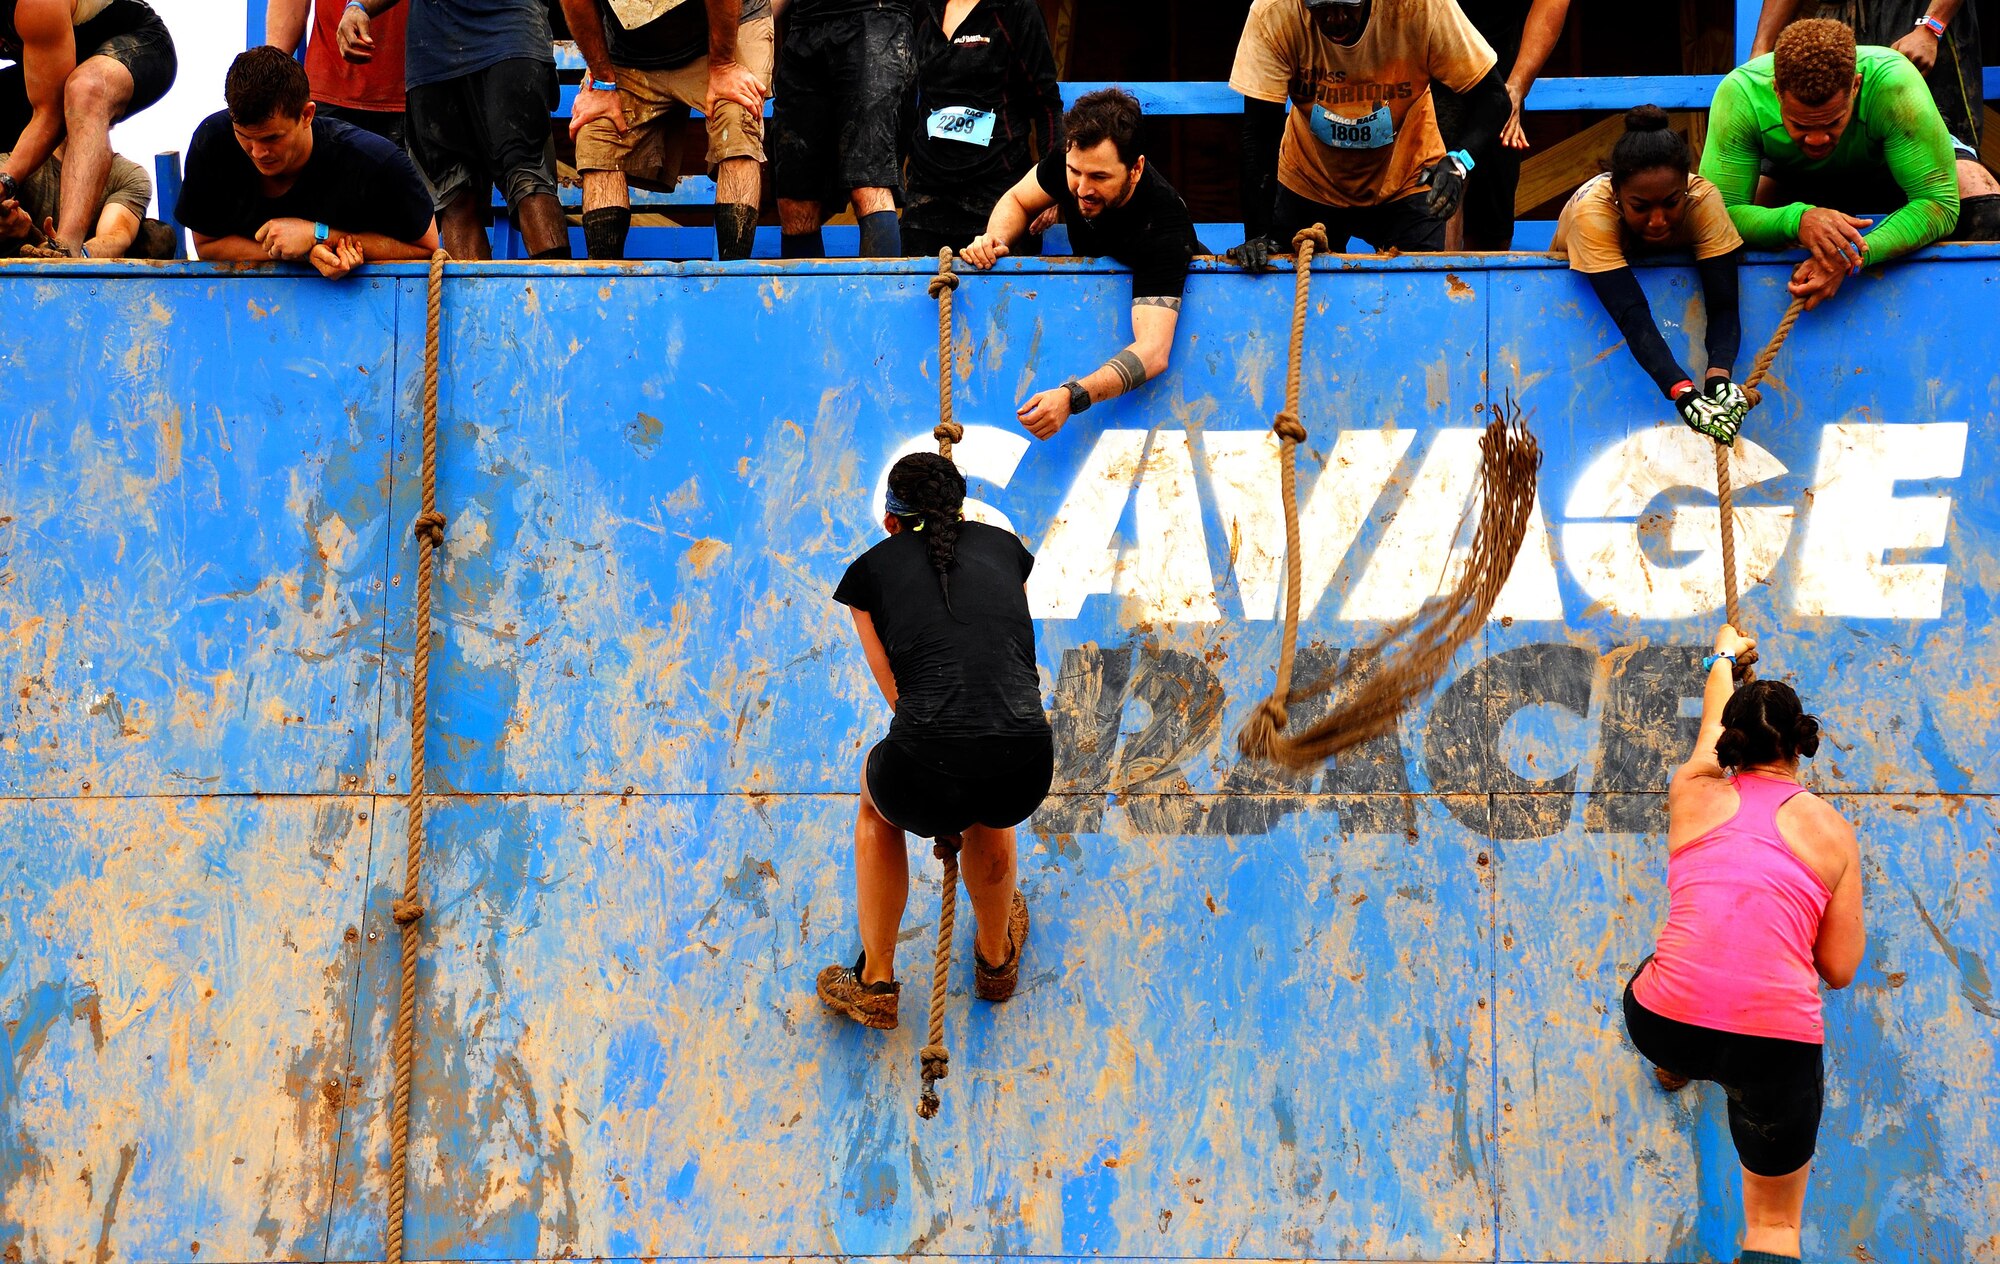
pixel 1263 733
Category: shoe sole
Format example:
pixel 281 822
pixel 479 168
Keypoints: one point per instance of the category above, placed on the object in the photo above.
pixel 999 987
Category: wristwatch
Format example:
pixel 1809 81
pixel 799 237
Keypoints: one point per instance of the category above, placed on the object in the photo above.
pixel 1079 398
pixel 10 188
pixel 319 232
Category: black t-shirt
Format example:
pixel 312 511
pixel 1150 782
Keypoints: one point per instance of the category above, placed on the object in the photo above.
pixel 972 675
pixel 1152 234
pixel 995 81
pixel 354 181
pixel 816 10
pixel 670 41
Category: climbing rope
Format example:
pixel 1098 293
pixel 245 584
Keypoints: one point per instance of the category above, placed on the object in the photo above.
pixel 935 1058
pixel 1510 461
pixel 1725 492
pixel 409 910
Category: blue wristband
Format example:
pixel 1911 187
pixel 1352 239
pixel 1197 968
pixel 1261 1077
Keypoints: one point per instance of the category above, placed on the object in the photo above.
pixel 1464 159
pixel 320 231
pixel 1708 663
pixel 356 4
pixel 603 85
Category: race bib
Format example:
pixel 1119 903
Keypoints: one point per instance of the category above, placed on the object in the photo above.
pixel 1370 131
pixel 963 123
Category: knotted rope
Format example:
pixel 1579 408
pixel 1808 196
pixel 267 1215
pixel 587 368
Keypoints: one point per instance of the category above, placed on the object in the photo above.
pixel 1725 492
pixel 409 910
pixel 936 1059
pixel 1510 461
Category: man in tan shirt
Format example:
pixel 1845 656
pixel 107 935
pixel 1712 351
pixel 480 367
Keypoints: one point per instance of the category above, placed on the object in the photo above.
pixel 1360 151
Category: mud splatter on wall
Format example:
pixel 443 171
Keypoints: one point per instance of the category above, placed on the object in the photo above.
pixel 1366 1012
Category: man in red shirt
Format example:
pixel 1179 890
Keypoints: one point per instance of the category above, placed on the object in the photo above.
pixel 364 88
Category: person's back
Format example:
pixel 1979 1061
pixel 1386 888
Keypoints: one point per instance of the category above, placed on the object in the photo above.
pixel 1747 897
pixel 964 663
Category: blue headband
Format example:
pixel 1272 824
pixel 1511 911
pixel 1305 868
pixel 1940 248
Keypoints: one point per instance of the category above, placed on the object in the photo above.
pixel 898 506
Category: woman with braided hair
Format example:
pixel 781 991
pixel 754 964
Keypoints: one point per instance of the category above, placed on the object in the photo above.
pixel 941 608
pixel 1764 887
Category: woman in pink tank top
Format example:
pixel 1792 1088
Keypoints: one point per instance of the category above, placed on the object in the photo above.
pixel 1764 888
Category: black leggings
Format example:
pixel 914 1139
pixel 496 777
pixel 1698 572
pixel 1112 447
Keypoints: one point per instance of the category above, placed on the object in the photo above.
pixel 940 787
pixel 1775 1087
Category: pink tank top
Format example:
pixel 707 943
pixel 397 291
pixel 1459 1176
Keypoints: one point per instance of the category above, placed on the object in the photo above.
pixel 1736 953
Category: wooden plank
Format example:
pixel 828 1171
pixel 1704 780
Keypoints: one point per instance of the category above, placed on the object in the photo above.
pixel 1565 164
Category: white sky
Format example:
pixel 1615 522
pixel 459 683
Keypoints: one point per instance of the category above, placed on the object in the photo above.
pixel 207 34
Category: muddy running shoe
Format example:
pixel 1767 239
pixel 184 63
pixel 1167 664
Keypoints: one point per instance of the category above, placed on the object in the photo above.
pixel 997 983
pixel 1669 1081
pixel 870 1004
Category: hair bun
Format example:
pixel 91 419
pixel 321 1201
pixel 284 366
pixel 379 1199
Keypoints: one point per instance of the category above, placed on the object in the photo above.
pixel 1805 736
pixel 1732 748
pixel 1646 118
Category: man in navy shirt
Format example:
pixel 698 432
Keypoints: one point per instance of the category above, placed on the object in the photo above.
pixel 267 180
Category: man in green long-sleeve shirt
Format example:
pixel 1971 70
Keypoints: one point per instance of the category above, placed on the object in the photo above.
pixel 1831 128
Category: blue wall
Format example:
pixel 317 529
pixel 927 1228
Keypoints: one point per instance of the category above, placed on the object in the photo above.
pixel 1365 1013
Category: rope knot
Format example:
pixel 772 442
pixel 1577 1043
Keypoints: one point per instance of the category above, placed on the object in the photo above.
pixel 406 912
pixel 1288 426
pixel 1752 394
pixel 429 527
pixel 946 848
pixel 1316 234
pixel 948 433
pixel 945 279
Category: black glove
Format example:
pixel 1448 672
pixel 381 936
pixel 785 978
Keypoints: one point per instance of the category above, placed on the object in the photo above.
pixel 1254 255
pixel 1718 418
pixel 1445 179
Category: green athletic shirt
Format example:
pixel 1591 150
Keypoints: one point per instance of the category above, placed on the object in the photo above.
pixel 1896 125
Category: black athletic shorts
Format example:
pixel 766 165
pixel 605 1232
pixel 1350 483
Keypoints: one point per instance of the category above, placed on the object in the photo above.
pixel 487 129
pixel 941 786
pixel 388 124
pixel 1495 176
pixel 129 33
pixel 1400 225
pixel 841 84
pixel 1775 1087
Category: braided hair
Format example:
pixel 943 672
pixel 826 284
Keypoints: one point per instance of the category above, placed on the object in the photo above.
pixel 1764 723
pixel 927 493
pixel 1649 141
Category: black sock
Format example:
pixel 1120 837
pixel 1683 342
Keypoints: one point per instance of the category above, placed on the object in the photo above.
pixel 604 231
pixel 881 236
pixel 1766 1257
pixel 1978 219
pixel 802 246
pixel 735 230
pixel 555 252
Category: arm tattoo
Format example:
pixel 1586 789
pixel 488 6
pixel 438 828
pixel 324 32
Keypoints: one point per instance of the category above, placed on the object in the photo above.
pixel 1131 370
pixel 1167 301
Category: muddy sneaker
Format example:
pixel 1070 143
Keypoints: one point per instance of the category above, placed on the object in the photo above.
pixel 1669 1081
pixel 870 1004
pixel 997 983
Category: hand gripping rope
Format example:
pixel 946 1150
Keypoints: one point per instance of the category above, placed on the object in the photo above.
pixel 1725 494
pixel 1369 705
pixel 935 1057
pixel 409 910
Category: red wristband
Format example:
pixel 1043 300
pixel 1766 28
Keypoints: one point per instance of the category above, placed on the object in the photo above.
pixel 1679 388
pixel 1936 27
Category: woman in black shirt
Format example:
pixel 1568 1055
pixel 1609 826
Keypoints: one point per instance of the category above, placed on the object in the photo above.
pixel 941 607
pixel 986 79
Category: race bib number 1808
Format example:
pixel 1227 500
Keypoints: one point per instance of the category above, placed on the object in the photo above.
pixel 1370 131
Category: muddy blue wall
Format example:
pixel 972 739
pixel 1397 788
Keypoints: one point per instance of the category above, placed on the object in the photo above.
pixel 1368 1012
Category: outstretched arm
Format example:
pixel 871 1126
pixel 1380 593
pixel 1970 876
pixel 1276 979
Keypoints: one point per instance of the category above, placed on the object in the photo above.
pixel 1153 322
pixel 1011 216
pixel 1715 694
pixel 1719 297
pixel 1626 304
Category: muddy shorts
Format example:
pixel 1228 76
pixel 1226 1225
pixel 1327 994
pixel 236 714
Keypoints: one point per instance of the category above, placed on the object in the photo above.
pixel 487 129
pixel 841 89
pixel 657 104
pixel 942 786
pixel 1399 225
pixel 129 33
pixel 1775 1087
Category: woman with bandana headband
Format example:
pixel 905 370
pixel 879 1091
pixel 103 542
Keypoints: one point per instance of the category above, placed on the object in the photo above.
pixel 941 608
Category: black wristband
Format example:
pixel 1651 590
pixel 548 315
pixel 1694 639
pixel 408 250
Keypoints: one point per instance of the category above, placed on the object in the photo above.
pixel 1079 398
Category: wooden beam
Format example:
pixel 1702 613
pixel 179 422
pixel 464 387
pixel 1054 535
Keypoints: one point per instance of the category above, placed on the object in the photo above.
pixel 1059 33
pixel 1566 164
pixel 1989 141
